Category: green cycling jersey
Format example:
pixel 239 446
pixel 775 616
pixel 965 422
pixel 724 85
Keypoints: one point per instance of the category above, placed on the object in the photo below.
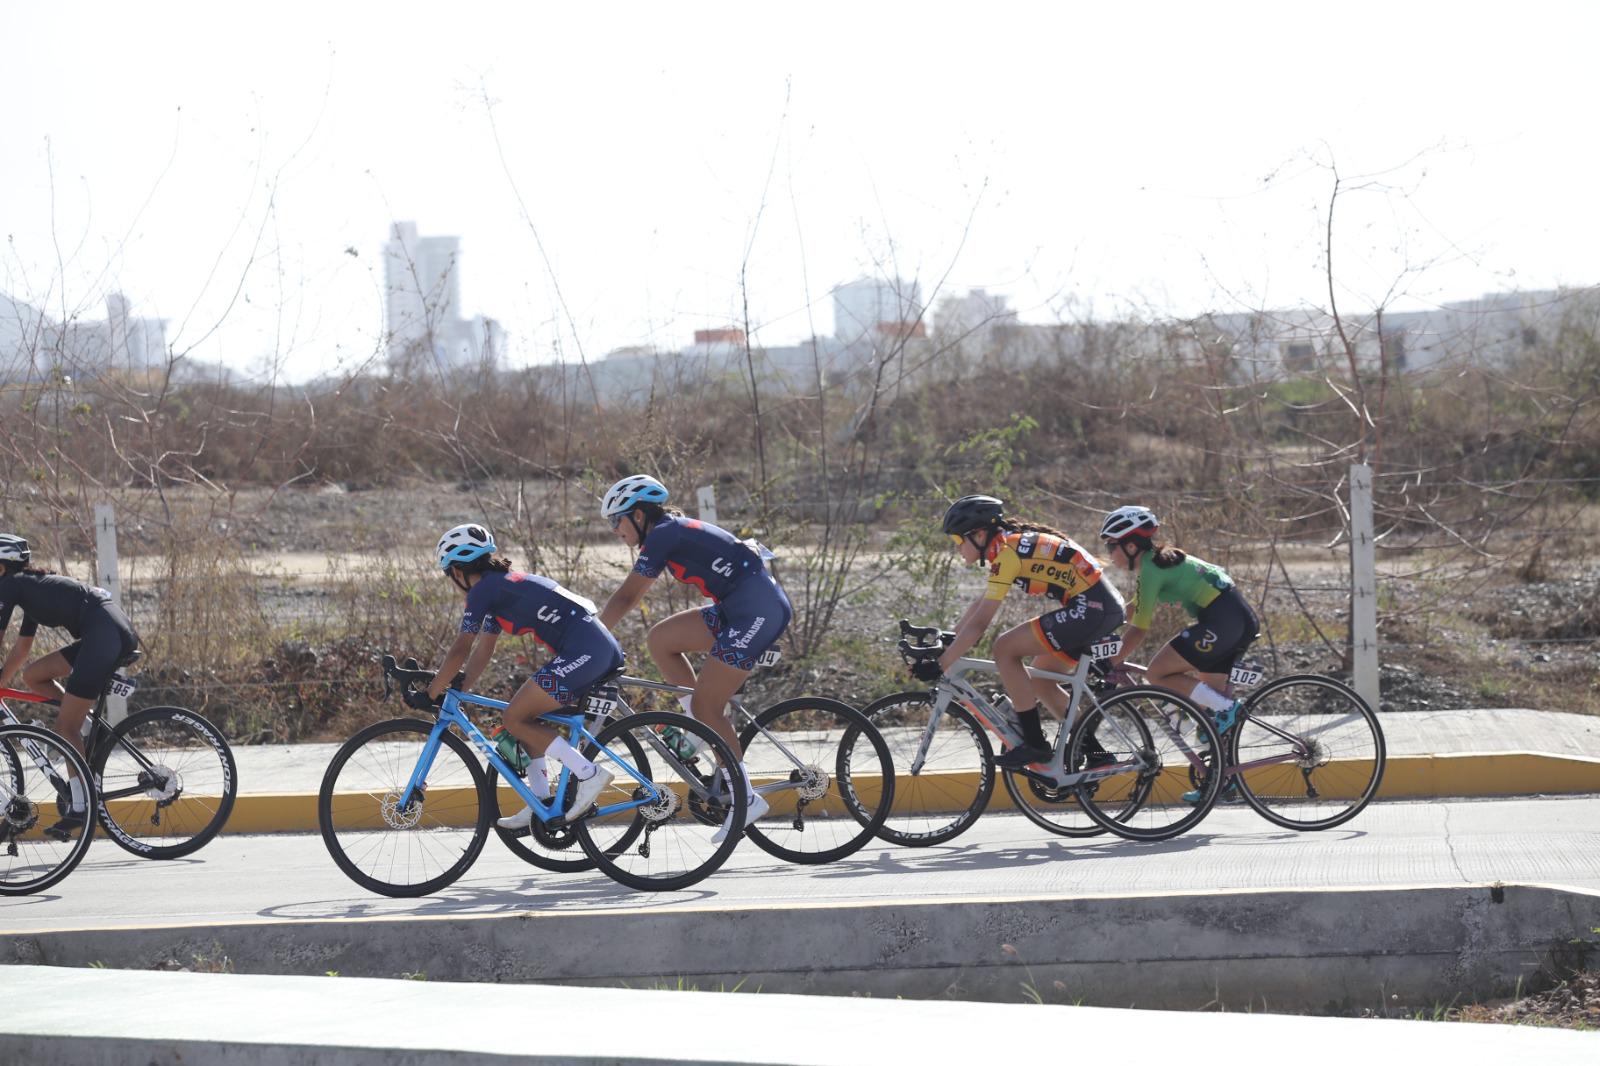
pixel 1194 583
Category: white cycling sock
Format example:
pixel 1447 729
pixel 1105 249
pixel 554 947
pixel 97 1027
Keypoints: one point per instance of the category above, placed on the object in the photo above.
pixel 538 777
pixel 80 795
pixel 687 701
pixel 1210 698
pixel 571 758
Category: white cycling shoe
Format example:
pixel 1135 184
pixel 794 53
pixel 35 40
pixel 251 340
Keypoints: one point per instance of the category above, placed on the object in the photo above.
pixel 521 820
pixel 755 808
pixel 589 790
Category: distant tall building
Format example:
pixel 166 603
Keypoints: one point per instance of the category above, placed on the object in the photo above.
pixel 870 308
pixel 32 343
pixel 422 290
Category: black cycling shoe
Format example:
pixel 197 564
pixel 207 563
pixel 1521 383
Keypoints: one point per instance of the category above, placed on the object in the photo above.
pixel 1023 754
pixel 70 823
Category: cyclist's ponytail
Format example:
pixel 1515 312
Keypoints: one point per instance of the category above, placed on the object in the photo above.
pixel 485 563
pixel 1166 556
pixel 655 512
pixel 17 568
pixel 1013 524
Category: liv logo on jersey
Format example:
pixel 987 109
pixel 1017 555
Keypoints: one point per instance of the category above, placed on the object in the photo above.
pixel 722 566
pixel 548 614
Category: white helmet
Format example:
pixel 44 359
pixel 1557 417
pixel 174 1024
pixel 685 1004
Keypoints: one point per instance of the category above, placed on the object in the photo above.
pixel 1128 520
pixel 13 549
pixel 464 543
pixel 631 491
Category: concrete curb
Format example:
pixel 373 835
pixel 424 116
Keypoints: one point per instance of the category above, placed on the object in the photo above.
pixel 1312 950
pixel 1468 774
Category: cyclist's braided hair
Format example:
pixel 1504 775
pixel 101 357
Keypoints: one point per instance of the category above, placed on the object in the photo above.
pixel 1013 524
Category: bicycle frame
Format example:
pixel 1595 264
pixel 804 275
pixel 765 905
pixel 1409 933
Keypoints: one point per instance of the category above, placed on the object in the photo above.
pixel 626 681
pixel 41 761
pixel 955 685
pixel 97 734
pixel 451 714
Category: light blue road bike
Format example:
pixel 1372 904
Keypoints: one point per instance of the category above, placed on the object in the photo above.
pixel 406 806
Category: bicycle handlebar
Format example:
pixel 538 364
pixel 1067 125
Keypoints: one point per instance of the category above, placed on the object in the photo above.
pixel 922 648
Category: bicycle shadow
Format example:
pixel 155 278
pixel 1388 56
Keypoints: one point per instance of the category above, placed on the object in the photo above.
pixel 468 899
pixel 987 856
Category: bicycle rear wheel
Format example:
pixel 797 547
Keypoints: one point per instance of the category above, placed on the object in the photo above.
pixel 950 790
pixel 1319 751
pixel 826 775
pixel 654 825
pixel 409 850
pixel 1157 738
pixel 35 765
pixel 167 782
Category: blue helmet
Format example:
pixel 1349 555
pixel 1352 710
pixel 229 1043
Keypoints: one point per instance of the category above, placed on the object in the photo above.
pixel 463 544
pixel 631 491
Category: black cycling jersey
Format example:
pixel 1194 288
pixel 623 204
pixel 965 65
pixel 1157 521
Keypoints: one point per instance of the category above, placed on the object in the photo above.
pixel 50 600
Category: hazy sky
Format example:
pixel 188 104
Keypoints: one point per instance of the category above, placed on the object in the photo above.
pixel 234 168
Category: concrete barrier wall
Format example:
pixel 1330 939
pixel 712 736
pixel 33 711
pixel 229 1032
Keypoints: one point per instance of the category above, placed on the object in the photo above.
pixel 1303 951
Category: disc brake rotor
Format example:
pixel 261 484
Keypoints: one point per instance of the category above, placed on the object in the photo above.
pixel 161 783
pixel 813 782
pixel 397 818
pixel 663 807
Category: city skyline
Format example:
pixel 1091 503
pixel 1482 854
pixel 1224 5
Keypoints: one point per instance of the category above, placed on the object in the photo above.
pixel 609 190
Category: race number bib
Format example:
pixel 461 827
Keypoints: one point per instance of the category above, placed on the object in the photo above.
pixel 770 657
pixel 123 686
pixel 603 702
pixel 1245 676
pixel 1105 649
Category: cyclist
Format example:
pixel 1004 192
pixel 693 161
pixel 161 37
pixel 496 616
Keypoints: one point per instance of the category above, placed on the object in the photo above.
pixel 503 600
pixel 1197 661
pixel 748 613
pixel 102 639
pixel 1042 562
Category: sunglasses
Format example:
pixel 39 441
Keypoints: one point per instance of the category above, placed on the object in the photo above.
pixel 616 520
pixel 957 538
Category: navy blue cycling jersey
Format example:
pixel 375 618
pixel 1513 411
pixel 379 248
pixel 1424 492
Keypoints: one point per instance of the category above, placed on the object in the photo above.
pixel 521 603
pixel 699 554
pixel 48 599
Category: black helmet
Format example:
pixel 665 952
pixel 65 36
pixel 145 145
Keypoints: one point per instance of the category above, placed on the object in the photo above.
pixel 13 549
pixel 971 513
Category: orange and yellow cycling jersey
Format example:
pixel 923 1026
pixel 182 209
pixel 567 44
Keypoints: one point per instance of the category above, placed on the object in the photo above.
pixel 1039 564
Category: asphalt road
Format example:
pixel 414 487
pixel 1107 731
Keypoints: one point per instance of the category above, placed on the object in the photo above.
pixel 291 877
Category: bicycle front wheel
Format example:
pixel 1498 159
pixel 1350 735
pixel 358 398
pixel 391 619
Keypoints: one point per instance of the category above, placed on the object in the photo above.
pixel 663 822
pixel 1309 751
pixel 408 849
pixel 826 775
pixel 167 782
pixel 1157 741
pixel 946 794
pixel 34 789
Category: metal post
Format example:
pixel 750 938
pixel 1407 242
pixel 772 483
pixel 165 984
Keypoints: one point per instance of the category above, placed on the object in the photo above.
pixel 706 503
pixel 105 575
pixel 1363 587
